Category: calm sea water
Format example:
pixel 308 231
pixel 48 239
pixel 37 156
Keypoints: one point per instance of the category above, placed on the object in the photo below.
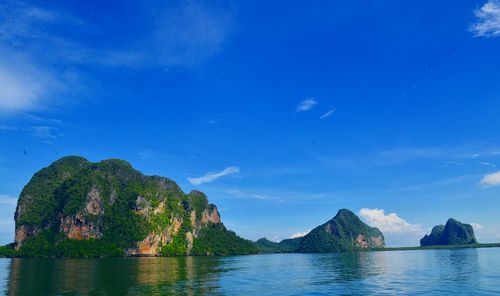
pixel 429 272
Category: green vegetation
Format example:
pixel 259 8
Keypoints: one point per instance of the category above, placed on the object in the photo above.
pixel 110 207
pixel 199 202
pixel 39 192
pixel 8 251
pixel 341 234
pixel 217 240
pixel 51 244
pixel 285 246
pixel 453 233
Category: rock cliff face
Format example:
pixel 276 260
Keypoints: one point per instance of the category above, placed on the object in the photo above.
pixel 453 233
pixel 116 207
pixel 345 232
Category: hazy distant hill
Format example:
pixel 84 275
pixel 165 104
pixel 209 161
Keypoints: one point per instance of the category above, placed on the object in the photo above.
pixel 345 232
pixel 453 233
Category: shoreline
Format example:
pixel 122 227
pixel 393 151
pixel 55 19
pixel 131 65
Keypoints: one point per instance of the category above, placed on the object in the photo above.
pixel 387 249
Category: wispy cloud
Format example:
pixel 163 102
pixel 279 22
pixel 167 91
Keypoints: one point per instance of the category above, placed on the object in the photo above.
pixel 390 223
pixel 299 234
pixel 46 63
pixel 212 176
pixel 490 180
pixel 253 195
pixel 39 131
pixel 328 114
pixel 488 20
pixel 306 105
pixel 25 85
pixel 7 200
pixel 489 164
pixel 477 226
pixel 452 163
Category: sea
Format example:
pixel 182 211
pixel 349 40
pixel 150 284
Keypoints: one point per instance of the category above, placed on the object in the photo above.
pixel 416 272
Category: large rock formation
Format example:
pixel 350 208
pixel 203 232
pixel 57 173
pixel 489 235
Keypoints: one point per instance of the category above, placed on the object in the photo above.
pixel 345 232
pixel 74 206
pixel 453 233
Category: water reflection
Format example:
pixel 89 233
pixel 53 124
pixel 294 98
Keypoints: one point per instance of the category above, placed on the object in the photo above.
pixel 429 272
pixel 346 267
pixel 113 276
pixel 458 267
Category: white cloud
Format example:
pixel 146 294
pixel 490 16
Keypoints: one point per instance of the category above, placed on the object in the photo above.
pixel 212 176
pixel 7 200
pixel 491 180
pixel 328 114
pixel 24 85
pixel 487 164
pixel 488 20
pixel 39 131
pixel 299 234
pixel 477 226
pixel 252 195
pixel 390 223
pixel 306 105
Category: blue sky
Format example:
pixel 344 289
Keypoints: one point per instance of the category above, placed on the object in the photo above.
pixel 281 112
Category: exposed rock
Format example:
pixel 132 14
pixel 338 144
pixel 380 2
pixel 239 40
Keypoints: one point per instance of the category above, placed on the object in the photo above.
pixel 23 232
pixel 361 241
pixel 210 215
pixel 77 227
pixel 112 196
pixel 160 209
pixel 147 247
pixel 142 206
pixel 189 240
pixel 345 232
pixel 94 204
pixel 453 233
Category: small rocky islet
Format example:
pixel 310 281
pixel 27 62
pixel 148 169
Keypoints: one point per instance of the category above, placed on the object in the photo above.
pixel 78 208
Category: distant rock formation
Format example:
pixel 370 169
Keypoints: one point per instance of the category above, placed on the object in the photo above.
pixel 453 233
pixel 345 232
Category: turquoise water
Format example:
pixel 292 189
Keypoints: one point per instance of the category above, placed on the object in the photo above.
pixel 422 272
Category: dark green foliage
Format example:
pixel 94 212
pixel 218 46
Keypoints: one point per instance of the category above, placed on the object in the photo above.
pixel 8 251
pixel 266 246
pixel 39 192
pixel 453 233
pixel 199 202
pixel 215 239
pixel 290 244
pixel 177 247
pixel 434 238
pixel 113 201
pixel 51 244
pixel 338 235
pixel 285 246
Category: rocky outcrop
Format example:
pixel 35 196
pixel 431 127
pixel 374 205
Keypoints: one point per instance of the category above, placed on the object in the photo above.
pixel 118 208
pixel 94 204
pixel 79 227
pixel 345 232
pixel 453 233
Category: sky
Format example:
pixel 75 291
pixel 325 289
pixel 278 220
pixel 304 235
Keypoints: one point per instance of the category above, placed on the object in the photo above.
pixel 281 112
